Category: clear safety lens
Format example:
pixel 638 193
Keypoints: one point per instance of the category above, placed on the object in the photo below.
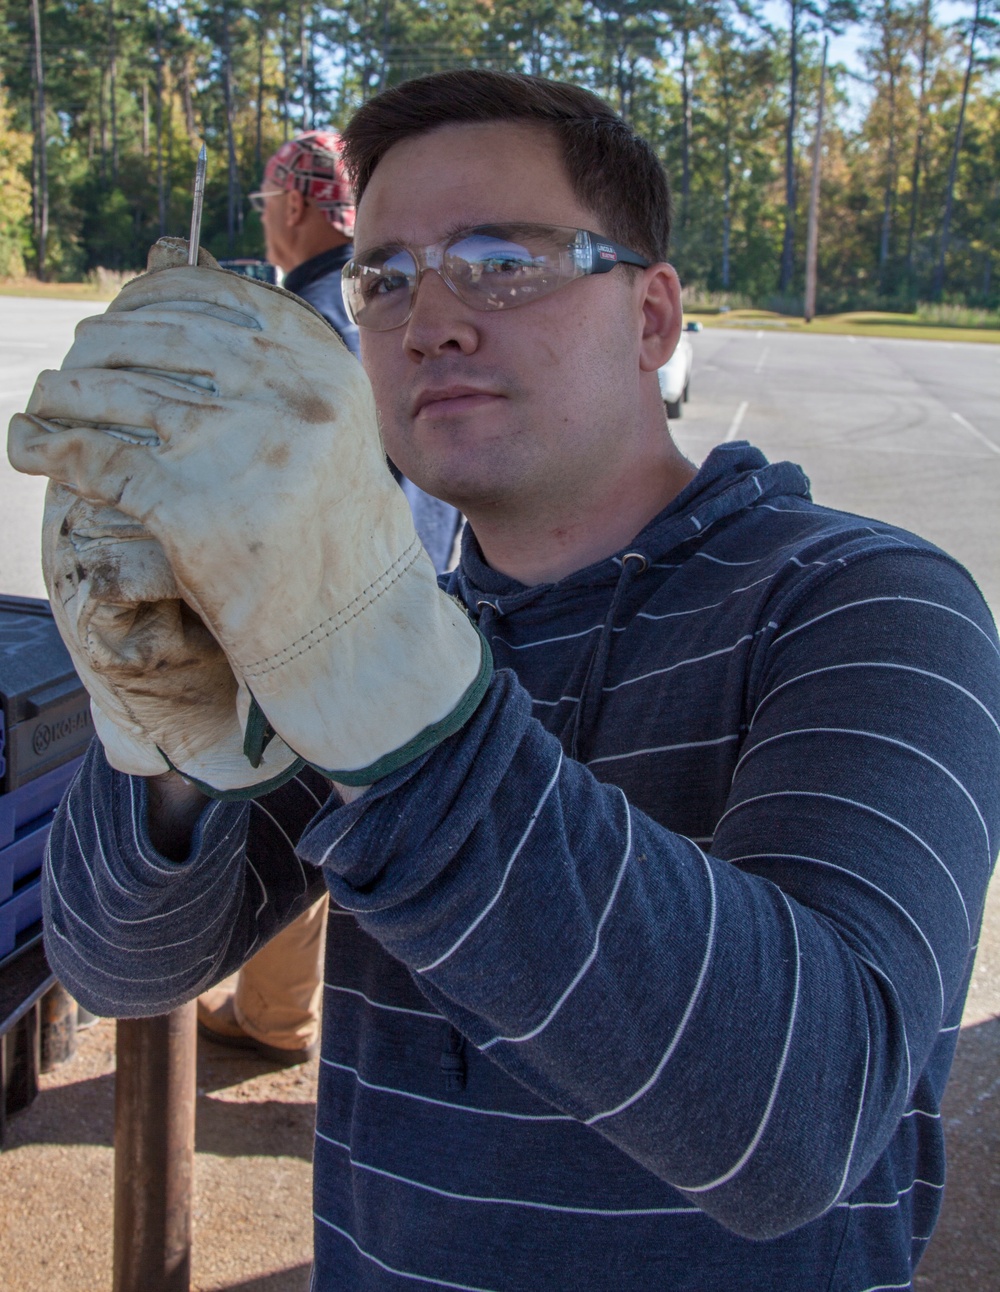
pixel 493 271
pixel 490 268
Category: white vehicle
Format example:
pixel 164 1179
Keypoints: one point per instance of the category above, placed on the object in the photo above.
pixel 675 377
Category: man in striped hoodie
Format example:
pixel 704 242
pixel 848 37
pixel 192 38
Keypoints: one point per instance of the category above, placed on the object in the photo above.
pixel 648 974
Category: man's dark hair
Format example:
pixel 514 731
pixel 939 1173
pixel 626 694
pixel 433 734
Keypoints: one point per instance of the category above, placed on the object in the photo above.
pixel 614 172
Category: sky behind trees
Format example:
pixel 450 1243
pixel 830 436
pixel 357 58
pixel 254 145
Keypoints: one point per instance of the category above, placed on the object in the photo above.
pixel 104 104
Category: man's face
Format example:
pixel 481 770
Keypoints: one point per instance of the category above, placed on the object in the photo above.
pixel 273 221
pixel 517 407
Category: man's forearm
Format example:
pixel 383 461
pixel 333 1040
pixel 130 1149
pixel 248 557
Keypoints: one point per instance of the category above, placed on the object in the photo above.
pixel 174 808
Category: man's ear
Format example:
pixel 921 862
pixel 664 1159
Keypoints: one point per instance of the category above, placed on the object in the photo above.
pixel 661 315
pixel 295 208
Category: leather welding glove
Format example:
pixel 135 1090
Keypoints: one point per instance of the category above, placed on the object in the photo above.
pixel 228 419
pixel 163 694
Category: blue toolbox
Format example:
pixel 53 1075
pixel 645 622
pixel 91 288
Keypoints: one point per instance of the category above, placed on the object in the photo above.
pixel 45 727
pixel 25 817
pixel 44 710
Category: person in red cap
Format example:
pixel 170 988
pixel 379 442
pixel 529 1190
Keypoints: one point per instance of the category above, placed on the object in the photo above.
pixel 306 204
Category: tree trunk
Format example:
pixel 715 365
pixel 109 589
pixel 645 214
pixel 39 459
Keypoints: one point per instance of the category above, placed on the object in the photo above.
pixel 383 76
pixel 990 238
pixel 685 124
pixel 726 215
pixel 188 100
pixel 314 114
pixel 145 117
pixel 304 70
pixel 171 142
pixel 726 95
pixel 42 203
pixel 788 243
pixel 812 234
pixel 949 200
pixel 535 46
pixel 161 195
pixel 103 123
pixel 889 196
pixel 284 76
pixel 258 156
pixel 233 183
pixel 113 88
pixel 919 144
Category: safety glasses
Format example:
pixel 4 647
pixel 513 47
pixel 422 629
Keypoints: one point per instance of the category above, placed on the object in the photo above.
pixel 490 267
pixel 258 199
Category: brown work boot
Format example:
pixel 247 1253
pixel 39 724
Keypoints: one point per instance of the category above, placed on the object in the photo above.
pixel 217 1022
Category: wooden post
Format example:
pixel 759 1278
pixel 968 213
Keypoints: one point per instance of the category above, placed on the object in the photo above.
pixel 154 1151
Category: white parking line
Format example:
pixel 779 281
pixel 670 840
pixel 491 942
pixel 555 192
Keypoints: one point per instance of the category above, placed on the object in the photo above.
pixel 763 357
pixel 734 425
pixel 759 335
pixel 978 434
pixel 852 339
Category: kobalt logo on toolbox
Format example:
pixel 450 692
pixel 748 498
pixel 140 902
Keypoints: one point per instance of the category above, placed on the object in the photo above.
pixel 48 733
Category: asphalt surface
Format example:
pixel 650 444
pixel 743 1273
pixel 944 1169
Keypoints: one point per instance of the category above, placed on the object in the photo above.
pixel 34 334
pixel 902 431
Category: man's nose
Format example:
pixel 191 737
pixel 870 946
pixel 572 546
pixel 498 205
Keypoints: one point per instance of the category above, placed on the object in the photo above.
pixel 440 320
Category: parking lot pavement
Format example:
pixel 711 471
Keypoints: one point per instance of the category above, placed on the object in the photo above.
pixel 34 334
pixel 904 431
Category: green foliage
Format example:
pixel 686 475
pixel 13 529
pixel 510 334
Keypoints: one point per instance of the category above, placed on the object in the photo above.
pixel 133 88
pixel 15 204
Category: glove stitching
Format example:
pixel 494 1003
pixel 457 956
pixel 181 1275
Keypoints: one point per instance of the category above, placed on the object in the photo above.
pixel 366 598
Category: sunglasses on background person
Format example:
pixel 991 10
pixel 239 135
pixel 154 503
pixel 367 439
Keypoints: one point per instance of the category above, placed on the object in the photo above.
pixel 490 267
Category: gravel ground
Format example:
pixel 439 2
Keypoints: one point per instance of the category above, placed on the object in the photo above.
pixel 252 1209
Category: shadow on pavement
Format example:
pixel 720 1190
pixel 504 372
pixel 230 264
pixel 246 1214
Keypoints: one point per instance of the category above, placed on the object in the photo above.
pixel 965 1250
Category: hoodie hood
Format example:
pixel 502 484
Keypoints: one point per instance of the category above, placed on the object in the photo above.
pixel 732 478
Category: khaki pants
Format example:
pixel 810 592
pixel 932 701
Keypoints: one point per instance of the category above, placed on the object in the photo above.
pixel 278 994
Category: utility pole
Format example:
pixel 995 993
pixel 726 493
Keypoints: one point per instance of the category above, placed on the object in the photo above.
pixel 812 235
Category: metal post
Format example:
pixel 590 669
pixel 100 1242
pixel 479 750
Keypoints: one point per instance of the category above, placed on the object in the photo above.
pixel 154 1152
pixel 58 1027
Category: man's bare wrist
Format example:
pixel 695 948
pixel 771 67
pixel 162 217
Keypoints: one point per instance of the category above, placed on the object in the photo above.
pixel 349 792
pixel 174 808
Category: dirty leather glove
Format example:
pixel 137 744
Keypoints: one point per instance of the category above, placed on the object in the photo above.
pixel 163 694
pixel 228 419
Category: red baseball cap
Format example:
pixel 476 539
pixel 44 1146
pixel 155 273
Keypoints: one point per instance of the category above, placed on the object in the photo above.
pixel 311 164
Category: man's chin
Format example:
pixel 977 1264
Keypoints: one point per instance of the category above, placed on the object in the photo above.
pixel 469 491
pixel 463 470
